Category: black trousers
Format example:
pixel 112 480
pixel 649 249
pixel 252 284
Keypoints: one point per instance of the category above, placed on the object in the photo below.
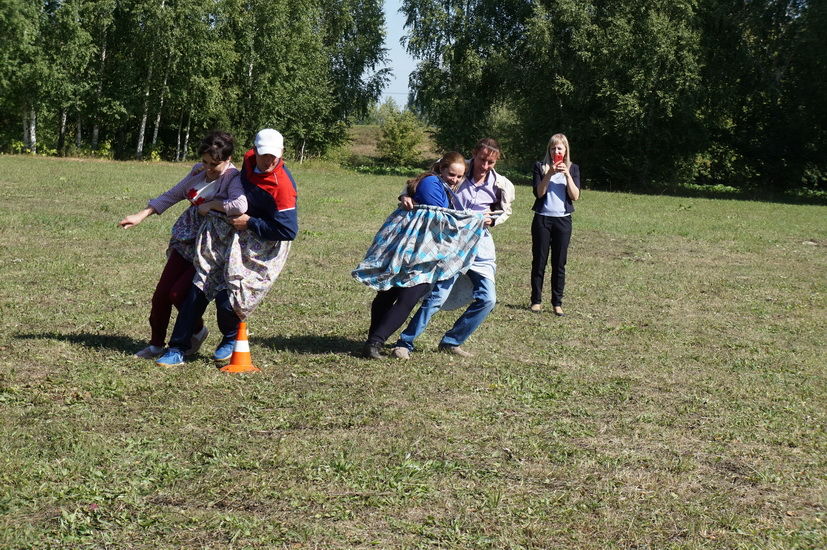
pixel 193 308
pixel 554 234
pixel 391 308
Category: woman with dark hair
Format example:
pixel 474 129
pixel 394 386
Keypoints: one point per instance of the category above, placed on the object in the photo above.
pixel 211 185
pixel 238 258
pixel 556 186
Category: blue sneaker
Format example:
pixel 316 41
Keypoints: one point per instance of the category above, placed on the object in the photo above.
pixel 224 350
pixel 172 357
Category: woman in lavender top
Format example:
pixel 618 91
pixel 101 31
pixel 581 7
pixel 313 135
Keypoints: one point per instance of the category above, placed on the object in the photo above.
pixel 211 185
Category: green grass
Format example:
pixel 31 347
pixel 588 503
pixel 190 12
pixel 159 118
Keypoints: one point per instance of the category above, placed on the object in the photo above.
pixel 679 404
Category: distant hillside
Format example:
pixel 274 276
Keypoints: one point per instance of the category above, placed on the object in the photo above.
pixel 363 145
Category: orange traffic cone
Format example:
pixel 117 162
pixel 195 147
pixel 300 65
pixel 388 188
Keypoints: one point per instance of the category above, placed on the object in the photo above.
pixel 241 360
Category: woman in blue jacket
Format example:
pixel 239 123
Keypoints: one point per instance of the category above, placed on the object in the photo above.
pixel 390 308
pixel 556 187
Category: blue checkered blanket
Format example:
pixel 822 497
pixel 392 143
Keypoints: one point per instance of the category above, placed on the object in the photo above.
pixel 424 245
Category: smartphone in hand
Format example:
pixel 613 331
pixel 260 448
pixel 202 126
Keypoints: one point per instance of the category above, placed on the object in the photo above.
pixel 558 157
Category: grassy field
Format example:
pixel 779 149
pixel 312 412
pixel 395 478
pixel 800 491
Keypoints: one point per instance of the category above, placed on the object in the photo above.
pixel 681 403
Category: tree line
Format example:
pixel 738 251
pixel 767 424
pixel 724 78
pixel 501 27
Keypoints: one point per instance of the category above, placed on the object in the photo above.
pixel 138 78
pixel 650 92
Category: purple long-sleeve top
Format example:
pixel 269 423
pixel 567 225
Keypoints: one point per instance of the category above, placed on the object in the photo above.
pixel 228 189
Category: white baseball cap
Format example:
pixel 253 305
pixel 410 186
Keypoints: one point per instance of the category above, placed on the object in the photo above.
pixel 269 142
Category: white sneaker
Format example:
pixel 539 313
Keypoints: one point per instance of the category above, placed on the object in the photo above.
pixel 196 341
pixel 150 352
pixel 401 352
pixel 455 350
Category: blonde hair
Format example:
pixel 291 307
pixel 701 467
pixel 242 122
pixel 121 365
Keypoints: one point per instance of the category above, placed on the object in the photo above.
pixel 555 140
pixel 448 159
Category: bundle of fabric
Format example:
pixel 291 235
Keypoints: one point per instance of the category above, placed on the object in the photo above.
pixel 237 261
pixel 184 232
pixel 424 245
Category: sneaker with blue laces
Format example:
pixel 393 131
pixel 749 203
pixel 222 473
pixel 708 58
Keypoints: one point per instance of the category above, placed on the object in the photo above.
pixel 172 357
pixel 224 350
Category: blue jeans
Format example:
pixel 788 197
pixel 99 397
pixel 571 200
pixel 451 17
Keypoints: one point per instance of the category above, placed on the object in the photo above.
pixel 485 296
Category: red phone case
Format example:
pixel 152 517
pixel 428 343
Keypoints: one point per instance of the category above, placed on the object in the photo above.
pixel 557 158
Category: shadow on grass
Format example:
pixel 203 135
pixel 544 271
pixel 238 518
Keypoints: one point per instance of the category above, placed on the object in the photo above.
pixel 307 344
pixel 696 191
pixel 310 344
pixel 693 191
pixel 94 341
pixel 517 307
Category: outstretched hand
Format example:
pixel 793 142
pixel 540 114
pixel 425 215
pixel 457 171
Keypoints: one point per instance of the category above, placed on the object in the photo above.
pixel 134 219
pixel 130 221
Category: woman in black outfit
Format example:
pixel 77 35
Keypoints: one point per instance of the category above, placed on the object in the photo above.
pixel 556 186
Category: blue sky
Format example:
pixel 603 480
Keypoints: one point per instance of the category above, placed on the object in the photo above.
pixel 400 62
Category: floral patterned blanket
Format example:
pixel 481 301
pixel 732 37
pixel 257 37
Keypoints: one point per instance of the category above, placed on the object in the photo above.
pixel 424 245
pixel 237 261
pixel 184 231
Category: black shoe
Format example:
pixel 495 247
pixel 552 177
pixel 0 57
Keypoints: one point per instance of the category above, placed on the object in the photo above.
pixel 372 350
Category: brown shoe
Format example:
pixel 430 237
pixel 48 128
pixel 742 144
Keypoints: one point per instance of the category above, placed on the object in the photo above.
pixel 558 311
pixel 401 352
pixel 454 350
pixel 536 308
